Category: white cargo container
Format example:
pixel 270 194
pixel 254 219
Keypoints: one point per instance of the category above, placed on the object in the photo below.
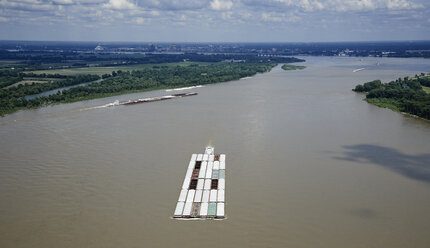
pixel 200 183
pixel 189 173
pixel 192 161
pixel 220 210
pixel 221 195
pixel 187 208
pixel 209 173
pixel 204 209
pixel 205 157
pixel 190 196
pixel 183 195
pixel 222 157
pixel 198 196
pixel 191 164
pixel 221 183
pixel 216 165
pixel 179 208
pixel 206 194
pixel 210 165
pixel 207 184
pixel 202 172
pixel 213 195
pixel 186 183
pixel 222 165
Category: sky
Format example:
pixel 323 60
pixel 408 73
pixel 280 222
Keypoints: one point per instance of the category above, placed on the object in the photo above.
pixel 215 20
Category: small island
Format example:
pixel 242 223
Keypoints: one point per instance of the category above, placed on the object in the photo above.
pixel 293 67
pixel 407 95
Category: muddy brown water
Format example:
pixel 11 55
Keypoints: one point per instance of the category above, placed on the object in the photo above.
pixel 309 164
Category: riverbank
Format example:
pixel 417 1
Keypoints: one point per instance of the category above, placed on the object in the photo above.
pixel 402 95
pixel 386 103
pixel 383 103
pixel 143 80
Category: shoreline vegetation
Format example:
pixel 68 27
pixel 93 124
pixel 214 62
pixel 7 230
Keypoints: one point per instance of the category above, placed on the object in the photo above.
pixel 14 93
pixel 287 67
pixel 407 95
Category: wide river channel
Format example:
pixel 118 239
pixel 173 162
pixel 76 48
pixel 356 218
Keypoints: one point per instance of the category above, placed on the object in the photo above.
pixel 309 164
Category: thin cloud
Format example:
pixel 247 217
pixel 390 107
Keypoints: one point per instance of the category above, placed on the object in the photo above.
pixel 63 2
pixel 173 5
pixel 119 4
pixel 337 5
pixel 221 5
pixel 344 19
pixel 139 20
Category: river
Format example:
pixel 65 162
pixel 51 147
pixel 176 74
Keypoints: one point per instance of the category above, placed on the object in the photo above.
pixel 309 164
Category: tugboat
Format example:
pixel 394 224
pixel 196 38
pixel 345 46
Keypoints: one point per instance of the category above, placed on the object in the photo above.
pixel 209 150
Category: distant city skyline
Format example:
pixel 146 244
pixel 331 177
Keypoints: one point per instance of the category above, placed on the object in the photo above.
pixel 215 20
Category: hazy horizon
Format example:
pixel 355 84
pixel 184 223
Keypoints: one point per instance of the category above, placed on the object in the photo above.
pixel 218 42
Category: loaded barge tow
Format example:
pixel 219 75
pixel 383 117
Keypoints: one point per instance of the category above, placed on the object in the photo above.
pixel 203 192
pixel 160 98
pixel 151 99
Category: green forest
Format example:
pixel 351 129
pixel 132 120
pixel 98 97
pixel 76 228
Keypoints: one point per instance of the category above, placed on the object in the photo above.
pixel 402 95
pixel 120 82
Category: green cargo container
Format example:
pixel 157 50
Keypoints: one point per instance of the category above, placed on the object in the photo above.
pixel 212 209
pixel 221 174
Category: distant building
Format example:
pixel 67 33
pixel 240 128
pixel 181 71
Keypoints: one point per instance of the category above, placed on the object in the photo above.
pixel 99 48
pixel 151 48
pixel 173 47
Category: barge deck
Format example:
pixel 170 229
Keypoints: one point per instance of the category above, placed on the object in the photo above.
pixel 203 191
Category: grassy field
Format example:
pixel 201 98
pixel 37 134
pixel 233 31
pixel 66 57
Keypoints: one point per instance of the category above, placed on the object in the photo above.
pixel 426 89
pixel 7 64
pixel 2 62
pixel 29 80
pixel 108 69
pixel 293 67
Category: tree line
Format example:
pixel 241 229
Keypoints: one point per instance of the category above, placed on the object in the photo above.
pixel 9 77
pixel 13 98
pixel 404 94
pixel 120 82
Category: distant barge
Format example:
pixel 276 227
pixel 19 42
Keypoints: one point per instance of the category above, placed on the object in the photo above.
pixel 203 191
pixel 160 98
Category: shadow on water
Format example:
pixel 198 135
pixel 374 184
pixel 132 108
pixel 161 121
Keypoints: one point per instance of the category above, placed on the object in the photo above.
pixel 412 166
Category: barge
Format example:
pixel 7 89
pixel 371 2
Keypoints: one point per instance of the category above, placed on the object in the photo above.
pixel 154 99
pixel 203 191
